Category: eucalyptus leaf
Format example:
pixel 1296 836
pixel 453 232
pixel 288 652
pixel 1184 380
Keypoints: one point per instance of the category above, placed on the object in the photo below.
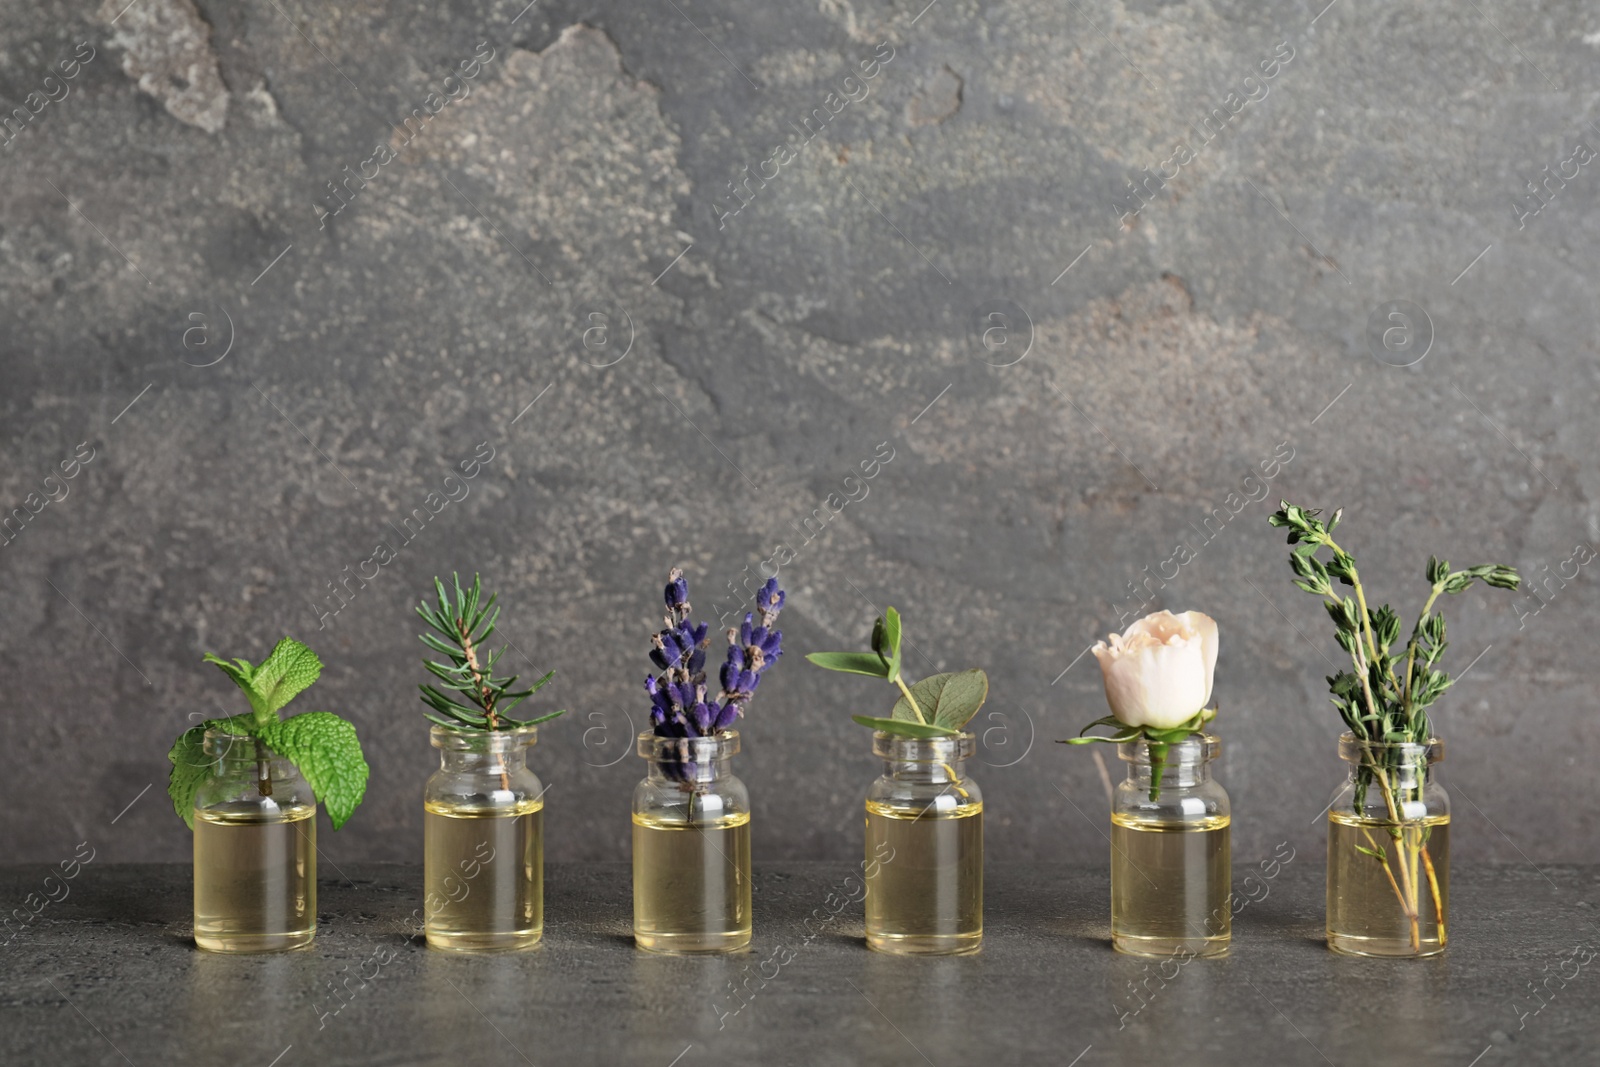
pixel 903 728
pixel 948 700
pixel 868 663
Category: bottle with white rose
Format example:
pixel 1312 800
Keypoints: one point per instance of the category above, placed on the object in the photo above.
pixel 1170 878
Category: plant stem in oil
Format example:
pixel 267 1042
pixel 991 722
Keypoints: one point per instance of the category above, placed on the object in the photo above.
pixel 927 893
pixel 691 884
pixel 484 876
pixel 1170 886
pixel 255 878
pixel 1388 885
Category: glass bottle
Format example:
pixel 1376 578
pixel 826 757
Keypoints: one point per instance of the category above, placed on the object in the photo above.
pixel 924 848
pixel 483 851
pixel 691 847
pixel 1389 851
pixel 255 850
pixel 1170 880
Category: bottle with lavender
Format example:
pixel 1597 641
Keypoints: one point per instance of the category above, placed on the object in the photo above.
pixel 691 816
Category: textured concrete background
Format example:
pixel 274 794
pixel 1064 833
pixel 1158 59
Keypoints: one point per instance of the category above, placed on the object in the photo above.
pixel 554 268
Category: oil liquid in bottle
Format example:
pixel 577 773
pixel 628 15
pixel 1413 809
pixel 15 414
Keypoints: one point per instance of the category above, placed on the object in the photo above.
pixel 255 878
pixel 691 884
pixel 1366 916
pixel 1170 886
pixel 483 876
pixel 926 896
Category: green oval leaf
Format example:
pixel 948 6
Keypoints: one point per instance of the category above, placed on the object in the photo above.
pixel 867 663
pixel 904 728
pixel 947 700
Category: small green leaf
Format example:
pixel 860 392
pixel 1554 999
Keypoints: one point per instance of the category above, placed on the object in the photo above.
pixel 867 663
pixel 948 700
pixel 325 749
pixel 240 673
pixel 283 675
pixel 903 728
pixel 190 764
pixel 891 634
pixel 1376 854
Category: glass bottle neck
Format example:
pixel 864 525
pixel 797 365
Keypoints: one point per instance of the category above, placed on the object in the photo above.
pixel 1404 766
pixel 1184 764
pixel 697 761
pixel 483 751
pixel 931 760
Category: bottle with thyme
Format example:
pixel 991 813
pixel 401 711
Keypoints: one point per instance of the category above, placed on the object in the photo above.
pixel 1389 824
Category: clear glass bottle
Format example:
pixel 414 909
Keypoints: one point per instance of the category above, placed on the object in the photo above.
pixel 924 865
pixel 1170 880
pixel 691 847
pixel 1389 852
pixel 255 850
pixel 483 851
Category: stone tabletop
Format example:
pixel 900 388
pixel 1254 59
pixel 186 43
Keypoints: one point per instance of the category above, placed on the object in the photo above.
pixel 107 974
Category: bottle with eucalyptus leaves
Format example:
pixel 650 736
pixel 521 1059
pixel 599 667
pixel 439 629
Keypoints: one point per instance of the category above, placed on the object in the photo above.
pixel 483 821
pixel 1389 823
pixel 924 814
pixel 691 815
pixel 1171 882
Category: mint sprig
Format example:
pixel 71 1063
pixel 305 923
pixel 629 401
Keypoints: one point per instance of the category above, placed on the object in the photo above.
pixel 937 706
pixel 322 746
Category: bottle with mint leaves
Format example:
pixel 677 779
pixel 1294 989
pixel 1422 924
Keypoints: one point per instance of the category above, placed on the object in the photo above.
pixel 249 786
pixel 924 837
pixel 483 821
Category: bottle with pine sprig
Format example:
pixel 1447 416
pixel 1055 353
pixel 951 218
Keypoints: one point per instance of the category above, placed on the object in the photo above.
pixel 484 808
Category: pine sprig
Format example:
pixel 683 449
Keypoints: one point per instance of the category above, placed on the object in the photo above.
pixel 469 695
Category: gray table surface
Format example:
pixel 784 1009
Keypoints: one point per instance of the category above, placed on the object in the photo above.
pixel 108 975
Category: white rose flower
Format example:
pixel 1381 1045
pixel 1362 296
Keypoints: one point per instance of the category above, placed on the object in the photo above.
pixel 1158 671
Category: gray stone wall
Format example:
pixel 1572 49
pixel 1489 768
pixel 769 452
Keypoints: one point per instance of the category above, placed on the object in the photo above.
pixel 1082 284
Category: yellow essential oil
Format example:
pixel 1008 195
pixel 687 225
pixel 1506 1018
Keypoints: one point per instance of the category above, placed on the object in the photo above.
pixel 926 894
pixel 483 875
pixel 1371 900
pixel 255 878
pixel 1170 886
pixel 691 883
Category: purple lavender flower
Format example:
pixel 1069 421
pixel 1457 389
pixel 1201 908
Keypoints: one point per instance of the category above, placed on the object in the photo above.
pixel 678 703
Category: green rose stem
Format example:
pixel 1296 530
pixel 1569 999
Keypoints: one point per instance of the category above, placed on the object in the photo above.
pixel 1389 711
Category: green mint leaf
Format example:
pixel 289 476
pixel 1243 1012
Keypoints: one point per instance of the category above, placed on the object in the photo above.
pixel 240 672
pixel 868 663
pixel 903 728
pixel 190 764
pixel 327 753
pixel 283 675
pixel 947 700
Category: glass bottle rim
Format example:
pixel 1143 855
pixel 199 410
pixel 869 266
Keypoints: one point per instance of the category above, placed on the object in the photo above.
pixel 1352 750
pixel 221 744
pixel 700 750
pixel 450 739
pixel 1197 748
pixel 898 748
